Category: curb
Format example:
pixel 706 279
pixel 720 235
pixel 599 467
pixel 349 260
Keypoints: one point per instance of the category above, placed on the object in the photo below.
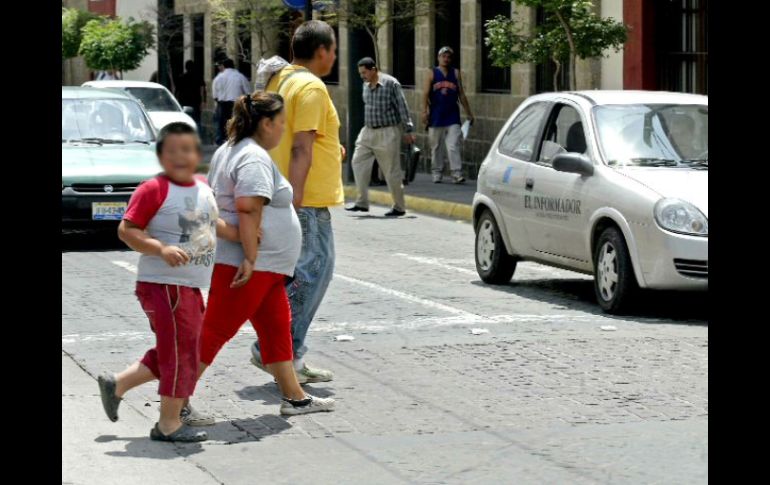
pixel 441 208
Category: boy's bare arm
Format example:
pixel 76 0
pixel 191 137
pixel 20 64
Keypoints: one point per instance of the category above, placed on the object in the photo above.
pixel 137 239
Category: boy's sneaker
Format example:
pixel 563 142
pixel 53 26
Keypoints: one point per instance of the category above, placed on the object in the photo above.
pixel 310 405
pixel 184 434
pixel 110 401
pixel 192 417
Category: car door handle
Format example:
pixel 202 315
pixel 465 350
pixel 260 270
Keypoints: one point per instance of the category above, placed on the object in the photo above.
pixel 529 184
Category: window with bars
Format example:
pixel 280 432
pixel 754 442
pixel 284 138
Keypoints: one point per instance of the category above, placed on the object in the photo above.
pixel 682 45
pixel 493 79
pixel 403 50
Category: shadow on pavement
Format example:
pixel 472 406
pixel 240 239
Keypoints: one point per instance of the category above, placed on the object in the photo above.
pixel 383 217
pixel 268 393
pixel 252 429
pixel 684 307
pixel 91 240
pixel 144 447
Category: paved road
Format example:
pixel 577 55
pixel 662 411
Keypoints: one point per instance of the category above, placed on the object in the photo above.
pixel 546 396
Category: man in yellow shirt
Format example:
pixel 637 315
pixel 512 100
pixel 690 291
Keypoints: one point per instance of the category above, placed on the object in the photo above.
pixel 310 156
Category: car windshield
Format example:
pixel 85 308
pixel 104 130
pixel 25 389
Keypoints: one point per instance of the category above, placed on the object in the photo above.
pixel 657 135
pixel 154 99
pixel 104 121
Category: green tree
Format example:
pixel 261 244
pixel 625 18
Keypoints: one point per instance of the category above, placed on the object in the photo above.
pixel 109 44
pixel 571 30
pixel 374 15
pixel 72 22
pixel 262 18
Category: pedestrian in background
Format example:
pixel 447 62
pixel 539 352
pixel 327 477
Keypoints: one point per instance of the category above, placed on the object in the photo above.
pixel 228 86
pixel 441 113
pixel 386 118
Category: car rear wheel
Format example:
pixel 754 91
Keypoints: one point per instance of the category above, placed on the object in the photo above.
pixel 614 280
pixel 493 263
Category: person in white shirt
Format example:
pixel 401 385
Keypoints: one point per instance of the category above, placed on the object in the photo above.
pixel 228 86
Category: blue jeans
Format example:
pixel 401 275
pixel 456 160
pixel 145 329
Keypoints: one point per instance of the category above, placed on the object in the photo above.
pixel 312 275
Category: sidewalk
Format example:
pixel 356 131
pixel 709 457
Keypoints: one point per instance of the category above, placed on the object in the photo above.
pixel 422 195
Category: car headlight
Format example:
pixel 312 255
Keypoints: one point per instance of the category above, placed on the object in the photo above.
pixel 679 216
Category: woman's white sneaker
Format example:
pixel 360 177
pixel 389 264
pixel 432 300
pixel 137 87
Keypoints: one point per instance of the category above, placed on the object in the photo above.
pixel 313 405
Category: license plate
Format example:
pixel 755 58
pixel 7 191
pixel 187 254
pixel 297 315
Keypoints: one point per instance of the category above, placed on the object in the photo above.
pixel 108 211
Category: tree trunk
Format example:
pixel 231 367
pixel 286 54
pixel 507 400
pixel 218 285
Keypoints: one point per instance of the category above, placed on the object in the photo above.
pixel 556 74
pixel 373 35
pixel 572 50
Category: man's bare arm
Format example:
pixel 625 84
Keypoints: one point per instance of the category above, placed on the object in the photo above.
pixel 299 163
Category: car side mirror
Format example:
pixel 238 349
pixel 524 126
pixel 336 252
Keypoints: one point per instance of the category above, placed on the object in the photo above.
pixel 573 163
pixel 188 110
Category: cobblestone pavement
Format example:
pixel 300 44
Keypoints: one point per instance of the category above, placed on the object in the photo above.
pixel 546 396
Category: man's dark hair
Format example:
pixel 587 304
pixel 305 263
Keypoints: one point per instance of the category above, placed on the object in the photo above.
pixel 368 63
pixel 175 128
pixel 309 37
pixel 228 63
pixel 189 65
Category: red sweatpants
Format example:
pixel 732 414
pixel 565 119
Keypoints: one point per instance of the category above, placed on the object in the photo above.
pixel 176 316
pixel 262 301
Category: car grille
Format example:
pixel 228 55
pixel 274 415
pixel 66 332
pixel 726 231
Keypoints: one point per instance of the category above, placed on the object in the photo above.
pixel 100 188
pixel 692 268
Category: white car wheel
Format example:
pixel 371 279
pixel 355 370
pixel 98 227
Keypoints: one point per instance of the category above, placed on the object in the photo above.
pixel 493 263
pixel 614 280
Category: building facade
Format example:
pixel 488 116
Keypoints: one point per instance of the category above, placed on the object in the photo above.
pixel 667 49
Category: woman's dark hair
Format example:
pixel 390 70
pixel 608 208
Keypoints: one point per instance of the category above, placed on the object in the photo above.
pixel 248 111
pixel 175 128
pixel 309 37
pixel 368 63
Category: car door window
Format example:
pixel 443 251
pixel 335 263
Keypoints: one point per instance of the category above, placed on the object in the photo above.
pixel 520 138
pixel 563 134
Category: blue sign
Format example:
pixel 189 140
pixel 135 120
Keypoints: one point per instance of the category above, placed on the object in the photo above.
pixel 507 174
pixel 300 4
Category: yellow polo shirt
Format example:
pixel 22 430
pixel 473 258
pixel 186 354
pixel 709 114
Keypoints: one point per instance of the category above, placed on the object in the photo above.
pixel 309 108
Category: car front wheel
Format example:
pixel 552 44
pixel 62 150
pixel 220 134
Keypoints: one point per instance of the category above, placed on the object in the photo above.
pixel 614 280
pixel 493 263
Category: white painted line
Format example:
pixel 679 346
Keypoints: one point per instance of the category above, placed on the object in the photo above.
pixel 133 269
pixel 437 262
pixel 412 298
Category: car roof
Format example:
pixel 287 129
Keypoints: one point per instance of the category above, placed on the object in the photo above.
pixel 123 84
pixel 78 92
pixel 599 97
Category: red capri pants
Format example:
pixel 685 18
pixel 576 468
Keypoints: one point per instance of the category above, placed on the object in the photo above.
pixel 176 316
pixel 262 301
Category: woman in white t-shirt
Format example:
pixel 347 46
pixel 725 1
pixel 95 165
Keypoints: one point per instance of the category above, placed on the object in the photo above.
pixel 250 276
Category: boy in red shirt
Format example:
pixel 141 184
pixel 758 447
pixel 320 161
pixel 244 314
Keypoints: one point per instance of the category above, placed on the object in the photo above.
pixel 173 221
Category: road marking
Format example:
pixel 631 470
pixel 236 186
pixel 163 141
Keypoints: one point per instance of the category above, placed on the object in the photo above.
pixel 413 298
pixel 443 264
pixel 133 269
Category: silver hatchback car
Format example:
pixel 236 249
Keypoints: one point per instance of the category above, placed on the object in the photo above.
pixel 609 183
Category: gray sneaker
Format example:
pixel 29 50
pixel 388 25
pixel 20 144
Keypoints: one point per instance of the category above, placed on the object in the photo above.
pixel 313 374
pixel 110 401
pixel 192 417
pixel 184 434
pixel 437 179
pixel 306 375
pixel 316 405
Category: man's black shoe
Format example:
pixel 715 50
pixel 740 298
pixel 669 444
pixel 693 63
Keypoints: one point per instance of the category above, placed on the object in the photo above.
pixel 355 208
pixel 395 213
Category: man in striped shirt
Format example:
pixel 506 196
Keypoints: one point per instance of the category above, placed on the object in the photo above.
pixel 386 123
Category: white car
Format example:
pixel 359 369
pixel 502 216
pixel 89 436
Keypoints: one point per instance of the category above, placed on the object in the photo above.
pixel 158 101
pixel 609 183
